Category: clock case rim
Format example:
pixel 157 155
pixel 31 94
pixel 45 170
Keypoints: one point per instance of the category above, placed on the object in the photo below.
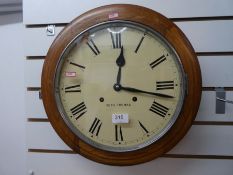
pixel 156 137
pixel 189 62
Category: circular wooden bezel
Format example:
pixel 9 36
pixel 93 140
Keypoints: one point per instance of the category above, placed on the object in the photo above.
pixel 172 34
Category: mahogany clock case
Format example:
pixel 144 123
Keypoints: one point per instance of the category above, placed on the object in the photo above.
pixel 165 28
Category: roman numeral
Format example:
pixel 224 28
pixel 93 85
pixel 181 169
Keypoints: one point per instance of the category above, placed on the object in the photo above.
pixel 118 133
pixel 116 40
pixel 78 65
pixel 163 85
pixel 78 110
pixel 95 127
pixel 93 47
pixel 143 127
pixel 159 109
pixel 75 88
pixel 140 43
pixel 157 61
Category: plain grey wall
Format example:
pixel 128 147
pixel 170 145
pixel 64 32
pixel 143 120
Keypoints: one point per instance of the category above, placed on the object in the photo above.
pixel 12 118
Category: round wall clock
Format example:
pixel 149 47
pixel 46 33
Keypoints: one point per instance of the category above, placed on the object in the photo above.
pixel 121 84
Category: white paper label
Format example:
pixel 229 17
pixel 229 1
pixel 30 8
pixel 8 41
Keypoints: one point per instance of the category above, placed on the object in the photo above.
pixel 70 74
pixel 120 118
pixel 113 15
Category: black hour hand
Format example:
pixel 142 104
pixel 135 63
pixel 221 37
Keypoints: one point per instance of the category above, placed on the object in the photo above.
pixel 121 59
pixel 120 62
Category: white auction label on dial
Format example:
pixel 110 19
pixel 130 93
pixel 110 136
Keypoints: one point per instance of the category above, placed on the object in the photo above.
pixel 120 118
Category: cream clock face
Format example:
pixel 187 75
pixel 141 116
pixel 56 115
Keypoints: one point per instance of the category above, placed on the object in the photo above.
pixel 119 86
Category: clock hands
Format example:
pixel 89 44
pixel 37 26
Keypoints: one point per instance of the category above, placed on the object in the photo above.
pixel 118 87
pixel 120 63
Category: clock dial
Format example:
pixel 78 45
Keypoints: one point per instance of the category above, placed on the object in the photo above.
pixel 120 86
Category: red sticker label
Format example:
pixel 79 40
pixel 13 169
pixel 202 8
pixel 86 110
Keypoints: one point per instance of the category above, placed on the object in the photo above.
pixel 113 15
pixel 70 74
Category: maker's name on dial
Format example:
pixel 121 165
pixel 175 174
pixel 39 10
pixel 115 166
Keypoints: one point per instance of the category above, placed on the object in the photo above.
pixel 118 105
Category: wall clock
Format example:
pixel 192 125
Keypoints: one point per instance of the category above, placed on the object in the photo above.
pixel 121 84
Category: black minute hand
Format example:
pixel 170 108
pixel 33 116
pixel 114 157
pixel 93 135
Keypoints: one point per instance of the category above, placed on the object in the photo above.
pixel 145 92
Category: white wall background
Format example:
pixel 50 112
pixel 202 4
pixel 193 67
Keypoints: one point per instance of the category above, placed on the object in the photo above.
pixel 12 110
pixel 211 141
pixel 207 149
